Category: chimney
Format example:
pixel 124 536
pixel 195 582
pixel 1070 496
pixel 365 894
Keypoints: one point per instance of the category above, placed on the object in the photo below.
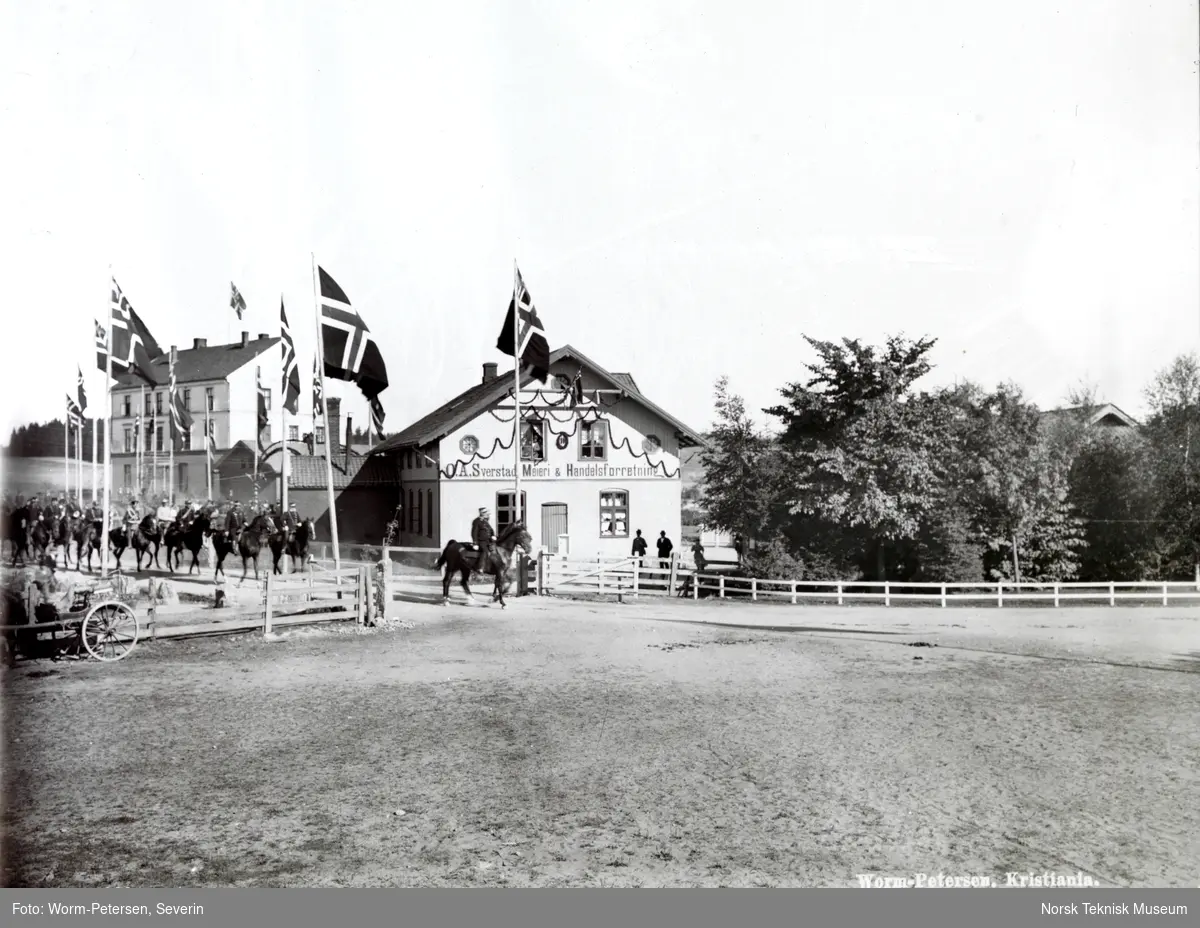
pixel 333 409
pixel 245 339
pixel 199 342
pixel 262 335
pixel 349 439
pixel 489 372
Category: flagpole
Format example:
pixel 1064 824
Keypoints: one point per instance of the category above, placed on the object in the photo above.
pixel 108 438
pixel 79 462
pixel 516 395
pixel 67 453
pixel 141 438
pixel 333 527
pixel 96 420
pixel 208 461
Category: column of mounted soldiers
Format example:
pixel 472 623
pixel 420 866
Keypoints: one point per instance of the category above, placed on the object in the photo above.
pixel 65 517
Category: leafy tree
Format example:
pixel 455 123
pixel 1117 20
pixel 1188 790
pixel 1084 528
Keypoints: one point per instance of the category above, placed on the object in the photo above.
pixel 858 450
pixel 741 469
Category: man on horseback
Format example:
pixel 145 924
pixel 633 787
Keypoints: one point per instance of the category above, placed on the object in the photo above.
pixel 131 517
pixel 291 522
pixel 234 520
pixel 483 536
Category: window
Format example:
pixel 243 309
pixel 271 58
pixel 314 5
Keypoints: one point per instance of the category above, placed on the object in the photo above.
pixel 185 439
pixel 158 402
pixel 320 434
pixel 267 397
pixel 293 433
pixel 129 446
pixel 128 474
pixel 593 441
pixel 210 399
pixel 533 440
pixel 411 513
pixel 158 439
pixel 149 402
pixel 506 509
pixel 614 514
pixel 126 406
pixel 429 513
pixel 187 398
pixel 181 478
pixel 148 431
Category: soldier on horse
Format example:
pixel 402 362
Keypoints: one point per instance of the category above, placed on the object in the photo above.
pixel 483 536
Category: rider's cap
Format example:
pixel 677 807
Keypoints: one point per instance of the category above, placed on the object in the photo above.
pixel 483 510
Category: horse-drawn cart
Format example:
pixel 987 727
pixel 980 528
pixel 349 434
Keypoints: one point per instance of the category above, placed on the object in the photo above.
pixel 99 622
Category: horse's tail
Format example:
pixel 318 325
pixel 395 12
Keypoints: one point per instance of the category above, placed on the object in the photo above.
pixel 444 556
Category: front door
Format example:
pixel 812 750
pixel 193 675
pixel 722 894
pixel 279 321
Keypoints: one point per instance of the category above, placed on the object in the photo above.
pixel 554 523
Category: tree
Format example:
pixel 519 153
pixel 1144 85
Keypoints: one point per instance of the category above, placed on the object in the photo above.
pixel 740 469
pixel 859 452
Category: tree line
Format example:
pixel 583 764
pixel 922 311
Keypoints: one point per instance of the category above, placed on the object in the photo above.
pixel 47 440
pixel 871 478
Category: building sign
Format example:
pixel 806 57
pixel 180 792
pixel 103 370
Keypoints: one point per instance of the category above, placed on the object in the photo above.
pixel 598 470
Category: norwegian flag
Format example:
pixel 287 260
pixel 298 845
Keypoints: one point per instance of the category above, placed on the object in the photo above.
pixel 181 419
pixel 318 398
pixel 82 393
pixel 235 300
pixel 134 348
pixel 377 417
pixel 74 413
pixel 531 345
pixel 350 352
pixel 101 347
pixel 264 421
pixel 291 373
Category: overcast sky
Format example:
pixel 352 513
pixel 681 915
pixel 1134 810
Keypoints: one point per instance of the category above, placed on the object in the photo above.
pixel 687 187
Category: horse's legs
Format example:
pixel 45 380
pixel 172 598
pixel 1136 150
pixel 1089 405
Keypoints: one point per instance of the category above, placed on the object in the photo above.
pixel 466 575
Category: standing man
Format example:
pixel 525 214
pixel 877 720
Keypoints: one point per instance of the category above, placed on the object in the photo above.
pixel 639 546
pixel 664 550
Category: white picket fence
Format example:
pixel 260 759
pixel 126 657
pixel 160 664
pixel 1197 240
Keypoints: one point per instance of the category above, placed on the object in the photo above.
pixel 633 578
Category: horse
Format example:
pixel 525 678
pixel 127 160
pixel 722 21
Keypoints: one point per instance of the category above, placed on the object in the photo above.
pixel 252 540
pixel 296 549
pixel 87 537
pixel 18 533
pixel 39 539
pixel 192 538
pixel 62 528
pixel 222 547
pixel 462 559
pixel 147 533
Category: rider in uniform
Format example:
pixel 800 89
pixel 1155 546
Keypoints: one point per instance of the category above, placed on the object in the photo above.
pixel 291 522
pixel 234 520
pixel 131 517
pixel 483 536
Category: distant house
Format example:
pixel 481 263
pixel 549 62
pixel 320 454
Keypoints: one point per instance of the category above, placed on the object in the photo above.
pixel 1103 416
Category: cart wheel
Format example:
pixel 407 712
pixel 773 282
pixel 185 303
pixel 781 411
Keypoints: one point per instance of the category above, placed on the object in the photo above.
pixel 110 631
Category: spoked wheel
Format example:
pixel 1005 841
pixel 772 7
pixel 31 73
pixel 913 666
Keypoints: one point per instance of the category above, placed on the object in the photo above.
pixel 110 631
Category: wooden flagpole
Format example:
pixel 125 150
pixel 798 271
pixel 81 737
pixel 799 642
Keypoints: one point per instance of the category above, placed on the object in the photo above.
pixel 107 438
pixel 96 421
pixel 333 526
pixel 208 457
pixel 67 452
pixel 516 396
pixel 79 462
pixel 171 434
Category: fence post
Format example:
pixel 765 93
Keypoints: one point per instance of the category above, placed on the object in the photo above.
pixel 754 589
pixel 365 597
pixel 793 592
pixel 1056 596
pixel 1000 595
pixel 841 601
pixel 267 607
pixel 600 583
pixel 721 587
pixel 383 587
pixel 543 556
pixel 672 576
pixel 943 596
pixel 887 593
pixel 1164 594
pixel 637 570
pixel 1112 593
pixel 695 584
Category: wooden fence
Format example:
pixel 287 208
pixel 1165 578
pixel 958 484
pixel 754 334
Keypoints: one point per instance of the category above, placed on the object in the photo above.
pixel 633 578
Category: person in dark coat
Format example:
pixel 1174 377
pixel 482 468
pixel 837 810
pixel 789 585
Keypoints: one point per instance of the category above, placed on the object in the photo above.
pixel 639 545
pixel 664 550
pixel 483 536
pixel 234 520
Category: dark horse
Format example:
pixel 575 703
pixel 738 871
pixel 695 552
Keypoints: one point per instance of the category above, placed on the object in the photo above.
pixel 17 532
pixel 62 528
pixel 252 540
pixel 190 536
pixel 463 558
pixel 143 537
pixel 87 538
pixel 39 538
pixel 296 549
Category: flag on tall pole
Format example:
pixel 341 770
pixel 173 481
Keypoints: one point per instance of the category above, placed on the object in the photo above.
pixel 290 394
pixel 264 423
pixel 133 347
pixel 80 391
pixel 101 346
pixel 74 414
pixel 318 394
pixel 522 335
pixel 181 417
pixel 348 351
pixel 377 417
pixel 235 300
pixel 210 449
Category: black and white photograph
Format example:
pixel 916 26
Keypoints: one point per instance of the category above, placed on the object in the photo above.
pixel 657 444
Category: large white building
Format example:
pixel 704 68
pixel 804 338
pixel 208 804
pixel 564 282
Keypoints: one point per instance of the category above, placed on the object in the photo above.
pixel 594 469
pixel 217 379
